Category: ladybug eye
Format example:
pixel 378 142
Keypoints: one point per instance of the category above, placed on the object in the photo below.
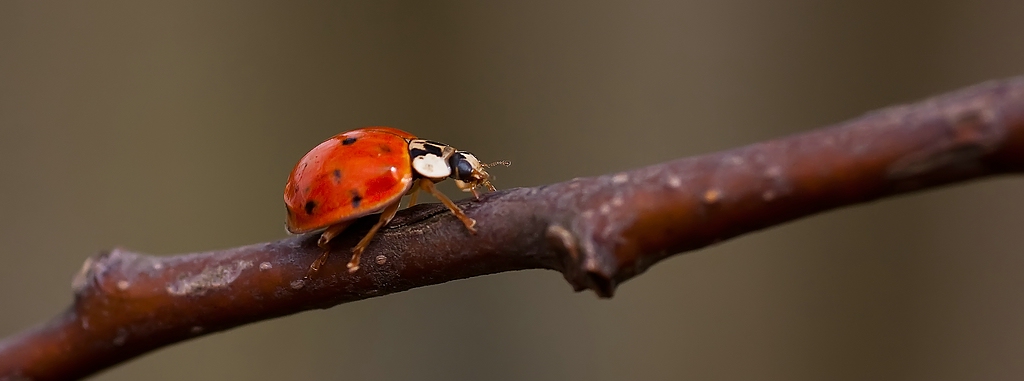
pixel 463 165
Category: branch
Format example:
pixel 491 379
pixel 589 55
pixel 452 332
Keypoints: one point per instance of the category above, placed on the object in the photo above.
pixel 597 231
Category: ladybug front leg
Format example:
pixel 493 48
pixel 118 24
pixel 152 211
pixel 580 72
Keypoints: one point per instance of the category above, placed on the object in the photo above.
pixel 428 186
pixel 385 217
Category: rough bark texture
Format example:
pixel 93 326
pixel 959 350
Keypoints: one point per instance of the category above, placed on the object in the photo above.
pixel 597 231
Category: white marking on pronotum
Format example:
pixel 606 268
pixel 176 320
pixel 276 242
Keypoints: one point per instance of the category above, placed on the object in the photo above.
pixel 620 178
pixel 431 166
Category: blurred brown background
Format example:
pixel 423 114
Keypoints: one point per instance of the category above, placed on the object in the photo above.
pixel 170 128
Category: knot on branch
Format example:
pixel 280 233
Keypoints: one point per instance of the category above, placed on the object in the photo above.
pixel 582 272
pixel 94 274
pixel 116 273
pixel 596 251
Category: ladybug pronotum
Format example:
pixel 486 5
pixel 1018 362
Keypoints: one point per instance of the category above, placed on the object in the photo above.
pixel 369 170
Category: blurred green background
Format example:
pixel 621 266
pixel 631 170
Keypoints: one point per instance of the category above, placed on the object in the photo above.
pixel 171 127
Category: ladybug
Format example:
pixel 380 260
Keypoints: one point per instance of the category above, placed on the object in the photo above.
pixel 369 170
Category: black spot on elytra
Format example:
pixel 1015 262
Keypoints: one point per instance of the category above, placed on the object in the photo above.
pixel 384 148
pixel 310 205
pixel 348 141
pixel 356 199
pixel 337 175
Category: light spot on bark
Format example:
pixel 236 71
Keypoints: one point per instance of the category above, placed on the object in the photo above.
pixel 211 278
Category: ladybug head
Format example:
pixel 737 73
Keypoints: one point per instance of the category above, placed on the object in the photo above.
pixel 469 173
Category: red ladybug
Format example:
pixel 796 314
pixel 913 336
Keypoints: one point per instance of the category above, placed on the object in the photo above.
pixel 366 171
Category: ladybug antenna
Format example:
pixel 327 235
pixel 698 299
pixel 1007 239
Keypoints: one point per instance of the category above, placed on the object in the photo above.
pixel 497 163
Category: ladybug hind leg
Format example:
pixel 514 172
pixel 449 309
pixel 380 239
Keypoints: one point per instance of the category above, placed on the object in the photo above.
pixel 324 243
pixel 428 186
pixel 331 232
pixel 385 217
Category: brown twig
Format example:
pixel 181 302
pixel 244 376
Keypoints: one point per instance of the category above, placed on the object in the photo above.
pixel 597 231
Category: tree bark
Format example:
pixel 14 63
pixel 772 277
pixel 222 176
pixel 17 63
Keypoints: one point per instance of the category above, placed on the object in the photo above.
pixel 598 231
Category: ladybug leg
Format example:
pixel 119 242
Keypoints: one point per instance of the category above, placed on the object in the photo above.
pixel 428 186
pixel 485 183
pixel 325 238
pixel 412 195
pixel 331 232
pixel 385 217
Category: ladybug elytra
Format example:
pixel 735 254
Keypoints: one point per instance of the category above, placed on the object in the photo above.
pixel 369 170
